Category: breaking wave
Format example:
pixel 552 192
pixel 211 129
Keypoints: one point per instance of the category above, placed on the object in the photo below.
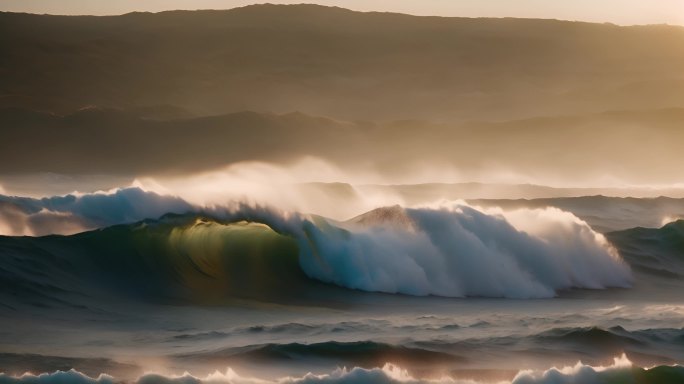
pixel 453 250
pixel 459 251
pixel 656 251
pixel 621 371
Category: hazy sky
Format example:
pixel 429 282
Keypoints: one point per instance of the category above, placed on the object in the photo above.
pixel 615 11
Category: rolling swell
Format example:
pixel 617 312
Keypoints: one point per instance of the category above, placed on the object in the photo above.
pixel 592 343
pixel 657 251
pixel 592 337
pixel 361 353
pixel 256 253
pixel 649 346
pixel 459 251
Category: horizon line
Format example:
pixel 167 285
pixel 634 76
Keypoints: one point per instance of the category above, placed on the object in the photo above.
pixel 385 12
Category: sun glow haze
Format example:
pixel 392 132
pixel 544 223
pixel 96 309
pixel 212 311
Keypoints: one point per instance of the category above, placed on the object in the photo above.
pixel 623 12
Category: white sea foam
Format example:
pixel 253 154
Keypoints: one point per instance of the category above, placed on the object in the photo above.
pixel 461 251
pixel 621 371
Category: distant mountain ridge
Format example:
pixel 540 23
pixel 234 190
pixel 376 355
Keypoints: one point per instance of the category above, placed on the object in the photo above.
pixel 338 63
pixel 121 142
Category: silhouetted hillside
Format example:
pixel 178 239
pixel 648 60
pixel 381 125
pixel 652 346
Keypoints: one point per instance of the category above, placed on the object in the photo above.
pixel 338 63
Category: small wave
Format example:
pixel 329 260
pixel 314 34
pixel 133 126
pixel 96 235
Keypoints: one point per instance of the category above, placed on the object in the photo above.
pixel 592 336
pixel 363 353
pixel 620 372
pixel 656 251
pixel 14 364
pixel 649 346
pixel 324 328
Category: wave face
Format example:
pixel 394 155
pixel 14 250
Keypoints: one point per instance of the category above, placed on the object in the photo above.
pixel 454 251
pixel 179 256
pixel 620 372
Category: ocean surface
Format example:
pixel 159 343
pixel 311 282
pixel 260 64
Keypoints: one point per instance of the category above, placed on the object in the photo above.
pixel 131 286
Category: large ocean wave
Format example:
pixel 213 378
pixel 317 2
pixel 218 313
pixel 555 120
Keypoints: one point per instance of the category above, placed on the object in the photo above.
pixel 74 213
pixel 460 251
pixel 452 250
